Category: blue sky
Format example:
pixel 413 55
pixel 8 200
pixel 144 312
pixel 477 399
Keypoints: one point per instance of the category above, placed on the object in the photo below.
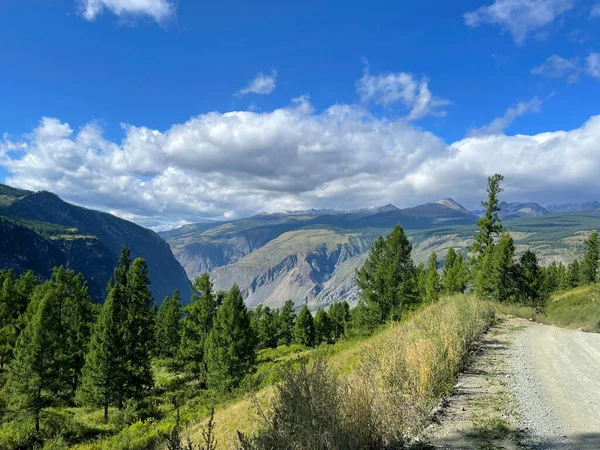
pixel 147 86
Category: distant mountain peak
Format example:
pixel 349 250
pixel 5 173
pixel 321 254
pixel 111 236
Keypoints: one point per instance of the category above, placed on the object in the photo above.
pixel 302 212
pixel 450 203
pixel 377 209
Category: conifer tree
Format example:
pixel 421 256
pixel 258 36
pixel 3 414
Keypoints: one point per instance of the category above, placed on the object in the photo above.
pixel 322 327
pixel 8 317
pixel 432 280
pixel 137 330
pixel 364 318
pixel 74 324
pixel 231 344
pixel 454 273
pixel 489 225
pixel 285 323
pixel 387 280
pixel 168 326
pixel 304 329
pixel 589 266
pixel 339 315
pixel 196 326
pixel 503 269
pixel 32 382
pixel 105 371
pixel 421 280
pixel 573 276
pixel 531 290
pixel 263 324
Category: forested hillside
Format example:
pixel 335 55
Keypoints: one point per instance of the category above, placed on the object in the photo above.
pixel 40 231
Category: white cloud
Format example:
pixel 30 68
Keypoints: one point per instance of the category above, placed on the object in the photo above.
pixel 499 124
pixel 593 65
pixel 557 67
pixel 595 11
pixel 159 10
pixel 239 163
pixel 390 88
pixel 519 17
pixel 572 69
pixel 262 84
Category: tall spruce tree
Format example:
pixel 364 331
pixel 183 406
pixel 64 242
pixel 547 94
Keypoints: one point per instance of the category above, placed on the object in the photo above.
pixel 196 326
pixel 589 266
pixel 231 344
pixel 137 330
pixel 432 280
pixel 105 371
pixel 285 323
pixel 32 381
pixel 168 326
pixel 74 323
pixel 304 329
pixel 489 225
pixel 339 315
pixel 322 327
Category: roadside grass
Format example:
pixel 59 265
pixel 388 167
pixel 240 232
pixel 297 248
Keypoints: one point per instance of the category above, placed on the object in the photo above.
pixel 576 309
pixel 381 391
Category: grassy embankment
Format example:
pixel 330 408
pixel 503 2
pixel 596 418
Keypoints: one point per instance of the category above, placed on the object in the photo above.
pixel 576 309
pixel 391 381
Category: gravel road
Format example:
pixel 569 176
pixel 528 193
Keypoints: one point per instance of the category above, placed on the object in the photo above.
pixel 555 376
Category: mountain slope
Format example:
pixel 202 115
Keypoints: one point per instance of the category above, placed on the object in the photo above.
pixel 573 207
pixel 312 260
pixel 517 210
pixel 49 229
pixel 204 247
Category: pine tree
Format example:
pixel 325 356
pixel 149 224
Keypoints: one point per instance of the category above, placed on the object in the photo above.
pixel 483 275
pixel 322 327
pixel 196 326
pixel 503 269
pixel 105 371
pixel 304 329
pixel 387 280
pixel 168 326
pixel 8 317
pixel 137 330
pixel 74 324
pixel 432 280
pixel 285 323
pixel 32 382
pixel 573 276
pixel 589 266
pixel 263 324
pixel 231 344
pixel 531 290
pixel 369 278
pixel 339 315
pixel 454 273
pixel 120 273
pixel 489 225
pixel 421 280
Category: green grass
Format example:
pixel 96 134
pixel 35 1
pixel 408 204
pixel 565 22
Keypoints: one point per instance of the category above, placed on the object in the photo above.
pixel 576 309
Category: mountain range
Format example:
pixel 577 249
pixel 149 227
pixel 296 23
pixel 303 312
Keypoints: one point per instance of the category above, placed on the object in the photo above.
pixel 311 256
pixel 308 256
pixel 39 231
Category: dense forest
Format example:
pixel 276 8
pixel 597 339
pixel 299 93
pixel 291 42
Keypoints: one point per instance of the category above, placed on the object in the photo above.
pixel 59 350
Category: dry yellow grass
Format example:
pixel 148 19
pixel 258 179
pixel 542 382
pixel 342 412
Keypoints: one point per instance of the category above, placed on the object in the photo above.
pixel 392 380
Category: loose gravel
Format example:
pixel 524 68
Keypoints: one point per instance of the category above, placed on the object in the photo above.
pixel 539 421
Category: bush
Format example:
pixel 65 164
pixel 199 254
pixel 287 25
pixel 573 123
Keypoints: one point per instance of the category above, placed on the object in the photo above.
pixel 404 371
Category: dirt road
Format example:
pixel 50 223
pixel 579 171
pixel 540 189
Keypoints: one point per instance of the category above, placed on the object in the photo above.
pixel 566 366
pixel 532 386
